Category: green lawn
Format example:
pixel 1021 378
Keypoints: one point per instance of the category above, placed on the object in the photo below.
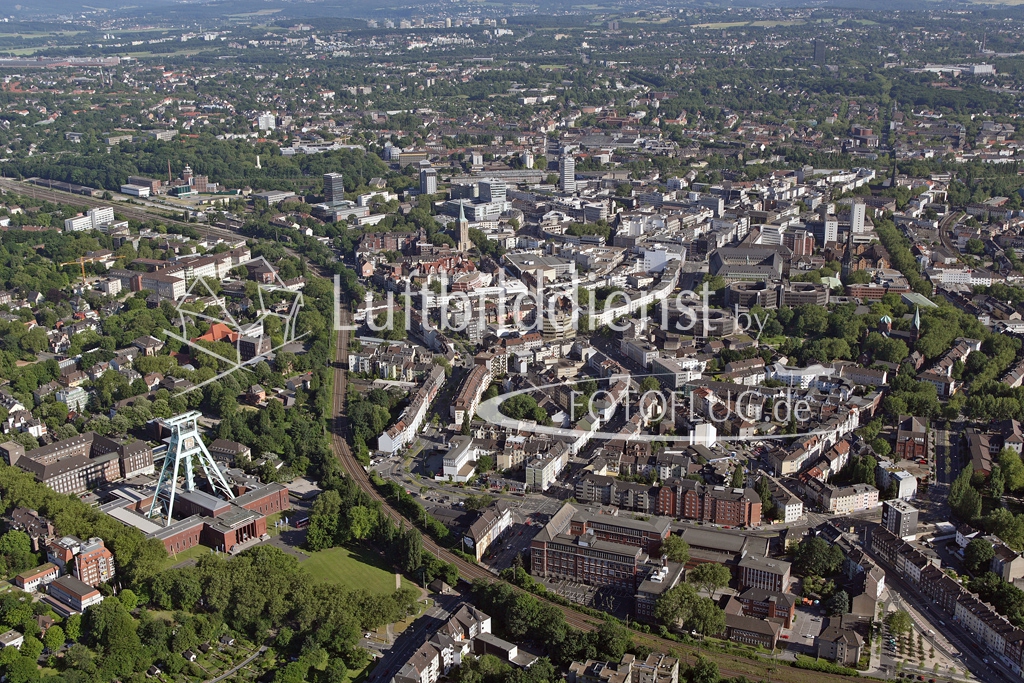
pixel 271 521
pixel 352 568
pixel 193 553
pixel 359 675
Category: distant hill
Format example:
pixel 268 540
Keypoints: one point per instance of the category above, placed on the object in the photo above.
pixel 181 11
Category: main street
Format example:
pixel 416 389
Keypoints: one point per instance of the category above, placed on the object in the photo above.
pixel 413 637
pixel 947 448
pixel 929 618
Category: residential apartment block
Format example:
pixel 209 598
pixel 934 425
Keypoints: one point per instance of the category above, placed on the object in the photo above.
pixel 689 499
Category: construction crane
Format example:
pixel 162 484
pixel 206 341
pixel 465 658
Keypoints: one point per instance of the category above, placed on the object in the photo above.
pixel 81 261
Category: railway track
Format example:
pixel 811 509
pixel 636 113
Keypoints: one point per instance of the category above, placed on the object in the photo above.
pixel 135 212
pixel 729 666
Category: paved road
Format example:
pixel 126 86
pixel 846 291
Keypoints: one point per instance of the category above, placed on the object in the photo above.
pixel 947 455
pixel 413 637
pixel 928 617
pixel 243 663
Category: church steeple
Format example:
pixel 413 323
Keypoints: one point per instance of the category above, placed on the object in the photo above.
pixel 915 329
pixel 464 242
pixel 847 263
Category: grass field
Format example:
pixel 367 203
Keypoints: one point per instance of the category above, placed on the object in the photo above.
pixel 352 568
pixel 193 553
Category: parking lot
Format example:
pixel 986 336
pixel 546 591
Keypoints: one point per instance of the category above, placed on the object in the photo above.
pixel 807 626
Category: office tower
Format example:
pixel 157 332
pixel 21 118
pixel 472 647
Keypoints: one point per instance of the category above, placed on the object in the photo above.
pixel 428 181
pixel 819 51
pixel 266 121
pixel 334 188
pixel 830 230
pixel 492 190
pixel 857 211
pixel 567 172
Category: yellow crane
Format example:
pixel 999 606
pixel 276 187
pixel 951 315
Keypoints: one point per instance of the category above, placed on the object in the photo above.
pixel 81 261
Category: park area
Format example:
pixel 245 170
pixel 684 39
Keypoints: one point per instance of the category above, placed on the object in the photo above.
pixel 353 568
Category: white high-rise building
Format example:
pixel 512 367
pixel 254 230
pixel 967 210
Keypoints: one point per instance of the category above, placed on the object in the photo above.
pixel 857 211
pixel 266 121
pixel 567 172
pixel 831 233
pixel 93 220
pixel 492 190
pixel 428 181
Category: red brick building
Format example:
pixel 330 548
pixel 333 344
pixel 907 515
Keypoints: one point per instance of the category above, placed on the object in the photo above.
pixel 688 499
pixel 94 563
pixel 647 535
pixel 762 604
pixel 912 438
pixel 266 500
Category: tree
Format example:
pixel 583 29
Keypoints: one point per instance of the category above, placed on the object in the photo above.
pixel 977 556
pixel 16 548
pixel 703 671
pixel 709 576
pixel 323 521
pixel 739 479
pixel 815 557
pixel 613 640
pixel 838 604
pixel 676 549
pixel 413 550
pixel 129 599
pixel 54 638
pixel 361 521
pixel 1012 469
pixel 112 631
pixel 970 505
pixel 336 671
pixel 900 623
pixel 31 648
pixel 675 605
pixel 649 383
pixel 73 627
pixel 764 490
pixel 996 482
pixel 958 487
pixel 23 670
pixel 706 618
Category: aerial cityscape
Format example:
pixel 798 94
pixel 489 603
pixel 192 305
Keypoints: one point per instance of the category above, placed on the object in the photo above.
pixel 511 343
